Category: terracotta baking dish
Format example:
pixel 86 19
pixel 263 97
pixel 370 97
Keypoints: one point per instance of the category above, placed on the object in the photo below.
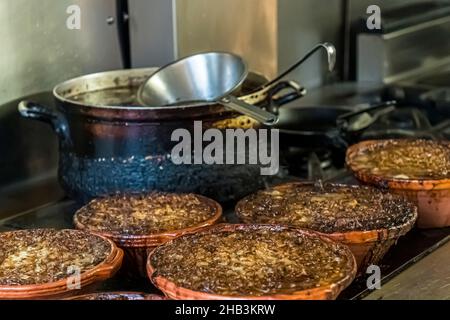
pixel 136 247
pixel 118 296
pixel 59 289
pixel 432 197
pixel 325 292
pixel 368 246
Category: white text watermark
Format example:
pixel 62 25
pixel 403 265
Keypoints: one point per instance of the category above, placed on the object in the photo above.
pixel 230 146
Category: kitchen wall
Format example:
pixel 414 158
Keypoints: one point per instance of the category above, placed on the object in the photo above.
pixel 273 34
pixel 303 24
pixel 152 32
pixel 247 28
pixel 37 50
pixel 355 9
pixel 270 34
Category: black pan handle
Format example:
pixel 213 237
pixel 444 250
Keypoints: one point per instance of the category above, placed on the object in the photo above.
pixel 293 92
pixel 55 119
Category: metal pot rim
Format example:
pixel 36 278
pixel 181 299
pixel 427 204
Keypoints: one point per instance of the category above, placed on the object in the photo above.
pixel 58 90
pixel 111 79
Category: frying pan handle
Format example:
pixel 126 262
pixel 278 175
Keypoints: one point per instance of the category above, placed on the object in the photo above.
pixel 55 119
pixel 295 91
pixel 345 122
pixel 256 113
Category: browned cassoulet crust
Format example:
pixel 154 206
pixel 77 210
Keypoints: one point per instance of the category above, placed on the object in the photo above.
pixel 405 159
pixel 326 208
pixel 145 214
pixel 251 262
pixel 40 256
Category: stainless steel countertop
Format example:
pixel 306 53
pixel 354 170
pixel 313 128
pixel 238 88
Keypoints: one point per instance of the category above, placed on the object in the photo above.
pixel 429 278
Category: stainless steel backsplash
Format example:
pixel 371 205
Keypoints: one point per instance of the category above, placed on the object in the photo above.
pixel 247 28
pixel 269 34
pixel 301 25
pixel 37 51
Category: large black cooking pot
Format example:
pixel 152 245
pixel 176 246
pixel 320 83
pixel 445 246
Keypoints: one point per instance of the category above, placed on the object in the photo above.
pixel 109 144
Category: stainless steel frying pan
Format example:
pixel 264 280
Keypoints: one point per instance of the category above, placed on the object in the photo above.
pixel 206 77
pixel 213 77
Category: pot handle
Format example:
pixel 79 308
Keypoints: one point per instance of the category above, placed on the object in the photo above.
pixel 58 122
pixel 296 91
pixel 256 113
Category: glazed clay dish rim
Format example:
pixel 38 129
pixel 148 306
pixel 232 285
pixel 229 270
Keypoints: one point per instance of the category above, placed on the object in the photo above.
pixel 331 291
pixel 390 182
pixel 353 236
pixel 154 239
pixel 110 264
